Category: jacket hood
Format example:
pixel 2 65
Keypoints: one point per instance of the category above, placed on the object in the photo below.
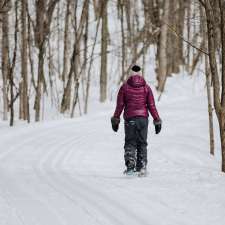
pixel 136 81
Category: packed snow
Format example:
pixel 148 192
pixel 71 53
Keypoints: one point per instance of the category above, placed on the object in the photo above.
pixel 70 171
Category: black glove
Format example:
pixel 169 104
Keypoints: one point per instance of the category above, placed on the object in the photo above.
pixel 115 123
pixel 158 125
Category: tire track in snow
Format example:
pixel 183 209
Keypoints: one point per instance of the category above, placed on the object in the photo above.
pixel 88 192
pixel 9 196
pixel 28 205
pixel 46 175
pixel 26 138
pixel 50 156
pixel 19 147
pixel 27 134
pixel 43 172
pixel 55 183
pixel 56 160
pixel 27 194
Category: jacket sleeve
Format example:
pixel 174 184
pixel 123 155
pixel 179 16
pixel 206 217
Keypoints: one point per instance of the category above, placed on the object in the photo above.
pixel 151 104
pixel 120 103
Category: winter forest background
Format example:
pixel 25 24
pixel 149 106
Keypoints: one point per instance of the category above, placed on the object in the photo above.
pixel 61 65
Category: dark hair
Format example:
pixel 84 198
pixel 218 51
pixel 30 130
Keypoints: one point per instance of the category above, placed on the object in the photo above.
pixel 136 68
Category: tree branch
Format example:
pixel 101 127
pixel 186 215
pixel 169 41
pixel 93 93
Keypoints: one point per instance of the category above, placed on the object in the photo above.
pixel 181 37
pixel 202 3
pixel 5 6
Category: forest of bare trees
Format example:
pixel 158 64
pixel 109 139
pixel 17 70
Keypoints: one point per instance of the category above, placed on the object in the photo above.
pixel 55 49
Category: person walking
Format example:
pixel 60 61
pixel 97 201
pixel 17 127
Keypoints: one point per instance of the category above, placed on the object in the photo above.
pixel 135 97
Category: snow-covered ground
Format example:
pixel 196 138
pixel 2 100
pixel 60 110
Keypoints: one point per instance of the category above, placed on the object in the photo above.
pixel 70 171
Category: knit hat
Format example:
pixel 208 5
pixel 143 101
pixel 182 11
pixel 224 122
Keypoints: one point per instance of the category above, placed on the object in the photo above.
pixel 136 68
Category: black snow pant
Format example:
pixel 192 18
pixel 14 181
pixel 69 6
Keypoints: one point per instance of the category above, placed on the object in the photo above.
pixel 136 131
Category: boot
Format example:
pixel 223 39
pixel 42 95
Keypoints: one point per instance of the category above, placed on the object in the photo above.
pixel 142 172
pixel 130 167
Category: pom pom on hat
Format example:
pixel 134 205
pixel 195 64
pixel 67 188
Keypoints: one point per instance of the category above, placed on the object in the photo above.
pixel 136 68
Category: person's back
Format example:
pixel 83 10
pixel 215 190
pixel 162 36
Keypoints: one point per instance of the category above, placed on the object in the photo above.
pixel 136 99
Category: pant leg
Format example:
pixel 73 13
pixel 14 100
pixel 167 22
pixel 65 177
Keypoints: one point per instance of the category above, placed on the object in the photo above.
pixel 142 133
pixel 130 145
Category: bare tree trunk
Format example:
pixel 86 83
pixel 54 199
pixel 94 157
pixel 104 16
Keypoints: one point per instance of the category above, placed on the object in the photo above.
pixel 219 100
pixel 76 97
pixel 210 110
pixel 11 70
pixel 212 57
pixel 65 104
pixel 104 44
pixel 155 16
pixel 222 28
pixel 44 13
pixel 96 9
pixel 74 65
pixel 123 43
pixel 85 54
pixel 135 30
pixel 39 82
pixel 188 34
pixel 31 63
pixel 222 137
pixel 162 70
pixel 66 39
pixel 24 60
pixel 5 61
pixel 175 44
pixel 172 42
pixel 89 69
pixel 77 63
pixel 181 22
pixel 50 72
pixel 203 31
pixel 148 8
pixel 58 39
pixel 126 7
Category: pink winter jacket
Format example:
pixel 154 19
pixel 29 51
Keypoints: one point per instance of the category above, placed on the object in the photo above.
pixel 136 98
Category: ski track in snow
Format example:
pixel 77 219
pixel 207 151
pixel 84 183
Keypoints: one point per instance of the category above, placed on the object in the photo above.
pixel 70 172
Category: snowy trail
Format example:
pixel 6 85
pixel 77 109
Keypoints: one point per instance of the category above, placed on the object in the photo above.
pixel 70 172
